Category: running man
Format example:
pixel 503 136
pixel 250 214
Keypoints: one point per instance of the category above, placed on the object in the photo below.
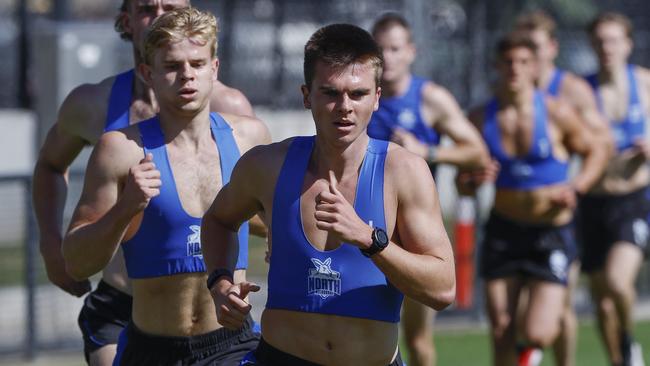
pixel 354 223
pixel 414 113
pixel 147 187
pixel 575 91
pixel 87 112
pixel 614 213
pixel 529 235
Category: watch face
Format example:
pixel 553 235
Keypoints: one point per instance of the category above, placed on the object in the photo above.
pixel 382 237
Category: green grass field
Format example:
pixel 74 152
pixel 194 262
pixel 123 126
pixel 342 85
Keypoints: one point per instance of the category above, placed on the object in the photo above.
pixel 471 348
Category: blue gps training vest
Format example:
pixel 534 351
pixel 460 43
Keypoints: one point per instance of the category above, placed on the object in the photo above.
pixel 169 240
pixel 632 126
pixel 340 281
pixel 555 84
pixel 402 111
pixel 119 102
pixel 538 167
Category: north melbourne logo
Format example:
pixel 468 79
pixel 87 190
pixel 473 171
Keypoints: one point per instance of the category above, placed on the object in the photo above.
pixel 406 119
pixel 194 242
pixel 322 280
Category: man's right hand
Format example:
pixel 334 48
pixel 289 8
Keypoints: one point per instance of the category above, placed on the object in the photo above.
pixel 229 301
pixel 56 273
pixel 142 184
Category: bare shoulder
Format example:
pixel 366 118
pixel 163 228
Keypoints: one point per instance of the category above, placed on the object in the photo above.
pixel 225 99
pixel 576 84
pixel 407 171
pixel 118 150
pixel 262 163
pixel 269 154
pixel 249 131
pixel 83 111
pixel 560 112
pixel 437 95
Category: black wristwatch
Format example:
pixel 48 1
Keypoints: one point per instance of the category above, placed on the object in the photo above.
pixel 216 274
pixel 379 242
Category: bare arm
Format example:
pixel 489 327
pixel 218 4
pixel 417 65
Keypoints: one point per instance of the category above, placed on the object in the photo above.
pixel 50 186
pixel 105 210
pixel 422 267
pixel 251 132
pixel 580 141
pixel 643 145
pixel 468 150
pixel 582 98
pixel 235 203
pixel 468 180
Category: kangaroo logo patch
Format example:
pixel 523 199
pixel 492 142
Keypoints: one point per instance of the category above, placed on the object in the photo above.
pixel 406 119
pixel 323 281
pixel 194 242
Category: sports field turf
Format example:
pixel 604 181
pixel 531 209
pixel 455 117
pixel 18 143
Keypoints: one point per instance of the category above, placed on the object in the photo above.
pixel 471 348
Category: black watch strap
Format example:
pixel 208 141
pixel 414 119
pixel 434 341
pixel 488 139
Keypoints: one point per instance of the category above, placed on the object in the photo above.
pixel 379 242
pixel 216 274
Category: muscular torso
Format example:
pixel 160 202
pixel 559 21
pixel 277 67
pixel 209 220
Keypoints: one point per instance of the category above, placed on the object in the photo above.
pixel 628 170
pixel 531 206
pixel 321 337
pixel 331 339
pixel 91 127
pixel 181 305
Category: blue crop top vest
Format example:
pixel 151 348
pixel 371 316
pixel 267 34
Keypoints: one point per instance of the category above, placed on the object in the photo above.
pixel 632 126
pixel 340 281
pixel 538 167
pixel 119 102
pixel 168 241
pixel 555 84
pixel 402 111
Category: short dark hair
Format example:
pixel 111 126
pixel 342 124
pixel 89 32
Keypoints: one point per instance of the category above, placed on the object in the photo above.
pixel 119 19
pixel 340 45
pixel 613 17
pixel 389 20
pixel 515 40
pixel 537 20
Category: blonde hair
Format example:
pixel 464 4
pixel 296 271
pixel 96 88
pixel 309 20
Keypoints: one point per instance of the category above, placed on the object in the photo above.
pixel 177 25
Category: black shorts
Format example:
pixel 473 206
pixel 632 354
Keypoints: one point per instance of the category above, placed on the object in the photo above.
pixel 105 313
pixel 606 219
pixel 267 355
pixel 514 249
pixel 221 347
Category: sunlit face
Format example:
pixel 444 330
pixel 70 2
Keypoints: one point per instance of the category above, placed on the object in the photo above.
pixel 611 43
pixel 547 47
pixel 181 75
pixel 342 100
pixel 398 51
pixel 517 68
pixel 141 13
